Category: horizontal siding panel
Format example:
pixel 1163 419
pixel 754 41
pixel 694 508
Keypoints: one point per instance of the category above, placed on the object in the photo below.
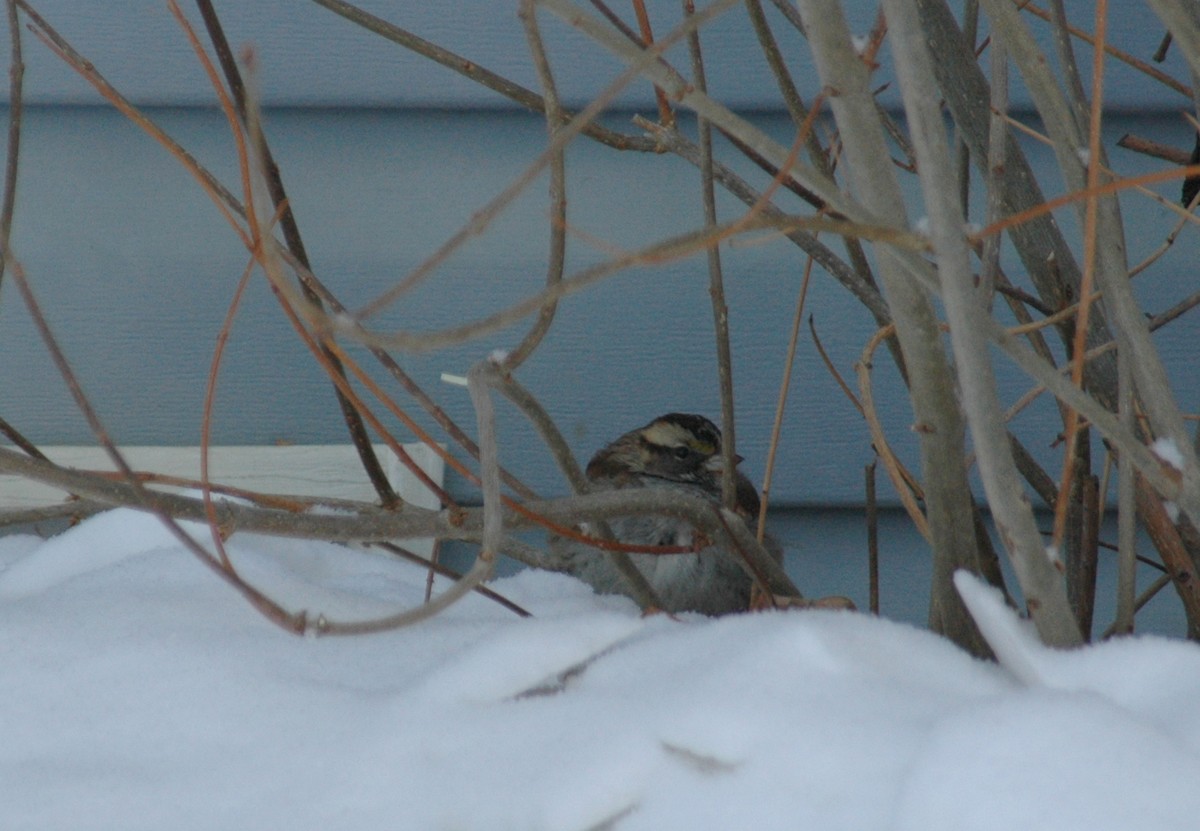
pixel 311 57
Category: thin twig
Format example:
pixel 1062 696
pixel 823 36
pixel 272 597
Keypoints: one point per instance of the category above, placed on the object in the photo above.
pixel 781 401
pixel 997 133
pixel 449 573
pixel 430 573
pixel 1153 149
pixel 478 383
pixel 770 49
pixel 1178 563
pixel 1090 250
pixel 962 149
pixel 1126 510
pixel 831 369
pixel 16 76
pixel 1163 318
pixel 872 540
pixel 469 582
pixel 72 510
pixel 716 285
pixel 788 10
pixel 16 437
pixel 1160 54
pixel 665 116
pixel 1160 583
pixel 1068 68
pixel 558 192
pixel 210 394
pixel 902 481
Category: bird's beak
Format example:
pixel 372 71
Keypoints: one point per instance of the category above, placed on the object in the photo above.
pixel 717 463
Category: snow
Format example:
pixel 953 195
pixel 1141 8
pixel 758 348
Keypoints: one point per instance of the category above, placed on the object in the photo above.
pixel 1013 640
pixel 1168 451
pixel 140 692
pixel 1054 555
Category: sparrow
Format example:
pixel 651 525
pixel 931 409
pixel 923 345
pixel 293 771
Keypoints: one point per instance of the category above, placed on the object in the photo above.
pixel 681 452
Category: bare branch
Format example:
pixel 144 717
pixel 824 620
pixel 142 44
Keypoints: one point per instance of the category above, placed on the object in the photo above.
pixel 716 281
pixel 939 420
pixel 1043 587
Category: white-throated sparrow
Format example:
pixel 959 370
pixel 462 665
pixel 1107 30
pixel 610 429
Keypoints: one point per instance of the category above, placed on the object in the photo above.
pixel 677 451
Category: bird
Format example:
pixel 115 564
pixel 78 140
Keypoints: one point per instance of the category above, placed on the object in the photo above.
pixel 678 452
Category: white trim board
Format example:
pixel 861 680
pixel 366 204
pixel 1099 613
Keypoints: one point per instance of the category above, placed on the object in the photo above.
pixel 331 470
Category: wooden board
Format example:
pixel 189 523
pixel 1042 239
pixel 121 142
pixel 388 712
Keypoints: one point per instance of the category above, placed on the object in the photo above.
pixel 302 470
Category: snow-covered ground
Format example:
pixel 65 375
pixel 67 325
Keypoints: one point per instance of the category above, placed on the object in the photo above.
pixel 138 691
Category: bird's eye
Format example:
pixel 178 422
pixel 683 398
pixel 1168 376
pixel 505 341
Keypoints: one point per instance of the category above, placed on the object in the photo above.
pixel 682 452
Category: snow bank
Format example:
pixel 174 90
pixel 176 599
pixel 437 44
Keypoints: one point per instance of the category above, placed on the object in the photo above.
pixel 140 692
